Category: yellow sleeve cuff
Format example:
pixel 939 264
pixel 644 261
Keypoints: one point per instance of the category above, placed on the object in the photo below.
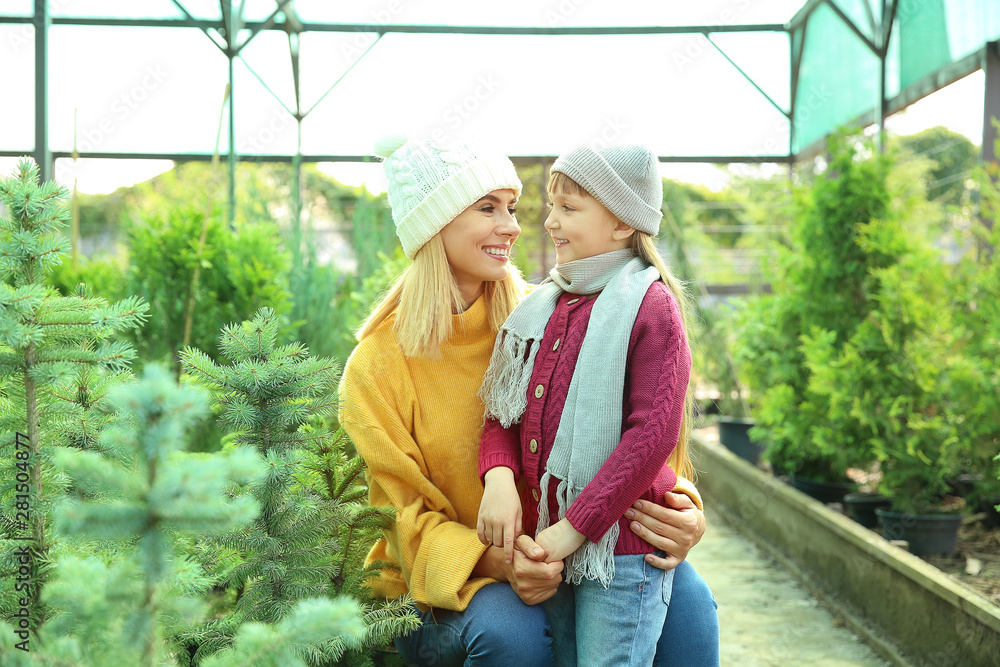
pixel 687 487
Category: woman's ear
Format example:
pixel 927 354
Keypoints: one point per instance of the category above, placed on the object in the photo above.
pixel 622 231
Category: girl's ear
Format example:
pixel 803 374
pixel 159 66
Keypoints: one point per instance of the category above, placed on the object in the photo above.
pixel 622 231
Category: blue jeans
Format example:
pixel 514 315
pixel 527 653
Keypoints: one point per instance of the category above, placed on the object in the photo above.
pixel 616 626
pixel 690 636
pixel 497 628
pixel 497 625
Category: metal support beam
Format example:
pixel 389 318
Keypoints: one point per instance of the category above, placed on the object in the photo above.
pixel 746 76
pixel 231 215
pixel 888 20
pixel 991 104
pixel 188 22
pixel 884 32
pixel 42 154
pixel 382 28
pixel 531 159
pixel 266 25
pixel 795 53
pixel 850 24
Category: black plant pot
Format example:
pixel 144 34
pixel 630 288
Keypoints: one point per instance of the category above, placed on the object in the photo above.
pixel 733 434
pixel 825 492
pixel 861 507
pixel 927 534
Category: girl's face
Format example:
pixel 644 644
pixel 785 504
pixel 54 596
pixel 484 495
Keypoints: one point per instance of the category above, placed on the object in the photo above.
pixel 478 242
pixel 581 227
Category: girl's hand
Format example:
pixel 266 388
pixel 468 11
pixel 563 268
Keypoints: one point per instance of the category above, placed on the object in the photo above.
pixel 673 529
pixel 560 540
pixel 499 520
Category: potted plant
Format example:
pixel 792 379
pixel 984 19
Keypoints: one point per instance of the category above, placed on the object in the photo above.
pixel 820 297
pixel 718 370
pixel 888 385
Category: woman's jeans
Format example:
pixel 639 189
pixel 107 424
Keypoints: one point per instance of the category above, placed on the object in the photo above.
pixel 616 626
pixel 498 629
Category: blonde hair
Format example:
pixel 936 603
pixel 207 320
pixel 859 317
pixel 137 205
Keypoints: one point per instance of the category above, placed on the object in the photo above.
pixel 426 295
pixel 644 245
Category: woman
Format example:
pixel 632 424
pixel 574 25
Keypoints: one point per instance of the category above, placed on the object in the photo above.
pixel 409 402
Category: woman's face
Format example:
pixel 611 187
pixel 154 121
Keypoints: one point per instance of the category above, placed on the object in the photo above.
pixel 478 242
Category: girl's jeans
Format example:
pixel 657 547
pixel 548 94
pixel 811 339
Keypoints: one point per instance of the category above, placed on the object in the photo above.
pixel 498 629
pixel 616 626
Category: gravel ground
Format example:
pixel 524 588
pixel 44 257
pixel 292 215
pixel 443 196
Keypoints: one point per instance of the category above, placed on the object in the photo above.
pixel 765 617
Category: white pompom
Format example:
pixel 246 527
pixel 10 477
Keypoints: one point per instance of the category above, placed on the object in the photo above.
pixel 388 144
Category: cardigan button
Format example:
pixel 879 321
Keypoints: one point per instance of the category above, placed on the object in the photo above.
pixel 555 346
pixel 539 390
pixel 534 494
pixel 533 445
pixel 571 302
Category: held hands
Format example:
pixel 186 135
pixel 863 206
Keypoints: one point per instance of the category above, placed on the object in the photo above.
pixel 499 521
pixel 560 540
pixel 532 575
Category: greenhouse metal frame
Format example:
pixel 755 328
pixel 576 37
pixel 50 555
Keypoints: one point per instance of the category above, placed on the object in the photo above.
pixel 834 45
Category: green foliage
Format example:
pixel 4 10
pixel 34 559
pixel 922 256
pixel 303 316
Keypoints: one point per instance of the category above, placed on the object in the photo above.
pixel 309 623
pixel 58 358
pixel 881 391
pixel 953 159
pixel 241 271
pixel 974 374
pixel 313 527
pixel 533 254
pixel 117 613
pixel 104 276
pixel 329 302
pixel 823 285
pixel 850 353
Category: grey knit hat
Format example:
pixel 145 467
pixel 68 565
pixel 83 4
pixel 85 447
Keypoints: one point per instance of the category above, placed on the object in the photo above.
pixel 431 182
pixel 626 179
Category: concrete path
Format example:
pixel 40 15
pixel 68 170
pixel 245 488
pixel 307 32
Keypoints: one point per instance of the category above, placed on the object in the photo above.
pixel 765 617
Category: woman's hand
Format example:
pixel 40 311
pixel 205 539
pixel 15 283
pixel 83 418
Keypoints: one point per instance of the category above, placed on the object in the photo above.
pixel 560 540
pixel 673 529
pixel 528 574
pixel 532 578
pixel 499 521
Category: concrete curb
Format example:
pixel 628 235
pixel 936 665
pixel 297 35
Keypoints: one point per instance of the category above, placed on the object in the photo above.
pixel 881 591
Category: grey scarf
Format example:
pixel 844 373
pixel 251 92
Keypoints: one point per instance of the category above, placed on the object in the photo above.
pixel 590 425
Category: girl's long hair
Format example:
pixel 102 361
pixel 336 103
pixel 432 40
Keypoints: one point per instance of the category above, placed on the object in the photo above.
pixel 426 295
pixel 644 245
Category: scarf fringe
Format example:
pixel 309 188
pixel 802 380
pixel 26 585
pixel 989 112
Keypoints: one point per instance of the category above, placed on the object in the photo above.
pixel 505 387
pixel 593 560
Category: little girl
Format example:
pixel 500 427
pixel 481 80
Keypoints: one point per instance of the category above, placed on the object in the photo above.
pixel 586 398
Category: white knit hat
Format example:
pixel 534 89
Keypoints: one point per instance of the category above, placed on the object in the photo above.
pixel 626 179
pixel 431 182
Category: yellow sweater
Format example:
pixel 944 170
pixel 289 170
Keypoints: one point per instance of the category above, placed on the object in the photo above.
pixel 417 424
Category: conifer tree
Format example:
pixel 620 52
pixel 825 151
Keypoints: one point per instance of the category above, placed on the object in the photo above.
pixel 118 613
pixel 336 472
pixel 46 342
pixel 298 546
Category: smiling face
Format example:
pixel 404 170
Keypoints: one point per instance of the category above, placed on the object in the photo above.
pixel 581 227
pixel 478 242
